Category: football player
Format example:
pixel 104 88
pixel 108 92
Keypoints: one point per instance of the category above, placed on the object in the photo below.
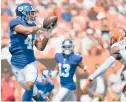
pixel 45 84
pixel 23 36
pixel 118 52
pixel 67 64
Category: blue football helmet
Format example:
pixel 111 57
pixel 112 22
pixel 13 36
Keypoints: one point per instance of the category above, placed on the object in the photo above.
pixel 67 47
pixel 26 12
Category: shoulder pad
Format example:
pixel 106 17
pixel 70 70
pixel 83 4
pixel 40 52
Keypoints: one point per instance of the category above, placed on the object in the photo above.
pixel 78 54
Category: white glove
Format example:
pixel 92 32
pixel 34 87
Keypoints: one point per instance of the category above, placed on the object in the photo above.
pixel 48 31
pixel 46 73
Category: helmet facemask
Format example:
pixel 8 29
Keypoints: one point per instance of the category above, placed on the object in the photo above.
pixel 67 49
pixel 31 16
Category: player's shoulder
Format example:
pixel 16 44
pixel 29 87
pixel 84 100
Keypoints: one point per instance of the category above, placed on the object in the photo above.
pixel 121 44
pixel 15 21
pixel 77 57
pixel 58 55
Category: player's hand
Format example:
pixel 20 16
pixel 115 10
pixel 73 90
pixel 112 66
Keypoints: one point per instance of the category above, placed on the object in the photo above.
pixel 49 24
pixel 49 30
pixel 88 81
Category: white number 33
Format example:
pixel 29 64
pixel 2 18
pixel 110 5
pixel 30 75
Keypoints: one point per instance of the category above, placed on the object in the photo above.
pixel 64 70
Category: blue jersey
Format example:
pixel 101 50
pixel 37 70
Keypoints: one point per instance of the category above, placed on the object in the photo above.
pixel 21 45
pixel 67 68
pixel 42 85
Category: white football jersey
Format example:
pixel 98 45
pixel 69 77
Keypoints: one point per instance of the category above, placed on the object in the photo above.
pixel 122 51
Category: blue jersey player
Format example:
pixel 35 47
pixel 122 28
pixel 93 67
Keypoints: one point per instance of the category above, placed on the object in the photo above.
pixel 44 83
pixel 67 64
pixel 23 36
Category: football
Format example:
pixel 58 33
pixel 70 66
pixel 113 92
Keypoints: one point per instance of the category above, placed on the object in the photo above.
pixel 124 89
pixel 49 22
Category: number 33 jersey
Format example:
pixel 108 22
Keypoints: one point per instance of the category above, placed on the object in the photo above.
pixel 67 67
pixel 21 45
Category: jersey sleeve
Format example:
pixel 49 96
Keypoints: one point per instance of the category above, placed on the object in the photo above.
pixel 78 57
pixel 56 57
pixel 14 22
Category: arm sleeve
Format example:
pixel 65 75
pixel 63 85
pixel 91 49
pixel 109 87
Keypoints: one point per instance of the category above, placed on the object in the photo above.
pixel 14 22
pixel 56 57
pixel 78 57
pixel 103 68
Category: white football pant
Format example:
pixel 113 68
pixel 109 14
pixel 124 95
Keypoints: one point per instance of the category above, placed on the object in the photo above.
pixel 28 74
pixel 64 94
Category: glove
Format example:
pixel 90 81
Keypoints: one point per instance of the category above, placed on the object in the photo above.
pixel 49 30
pixel 46 73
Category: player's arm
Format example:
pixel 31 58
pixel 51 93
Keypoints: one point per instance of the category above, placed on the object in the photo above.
pixel 41 43
pixel 55 71
pixel 108 63
pixel 102 68
pixel 82 66
pixel 56 68
pixel 26 30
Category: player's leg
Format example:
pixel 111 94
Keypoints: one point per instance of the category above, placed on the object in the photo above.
pixel 31 72
pixel 44 89
pixel 71 96
pixel 18 73
pixel 36 94
pixel 61 95
pixel 30 75
pixel 49 87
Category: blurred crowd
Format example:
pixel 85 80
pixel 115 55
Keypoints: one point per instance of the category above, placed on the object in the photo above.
pixel 88 23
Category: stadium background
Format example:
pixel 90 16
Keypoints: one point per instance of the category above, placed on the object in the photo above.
pixel 87 22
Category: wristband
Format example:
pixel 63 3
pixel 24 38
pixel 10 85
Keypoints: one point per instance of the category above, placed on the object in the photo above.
pixel 85 68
